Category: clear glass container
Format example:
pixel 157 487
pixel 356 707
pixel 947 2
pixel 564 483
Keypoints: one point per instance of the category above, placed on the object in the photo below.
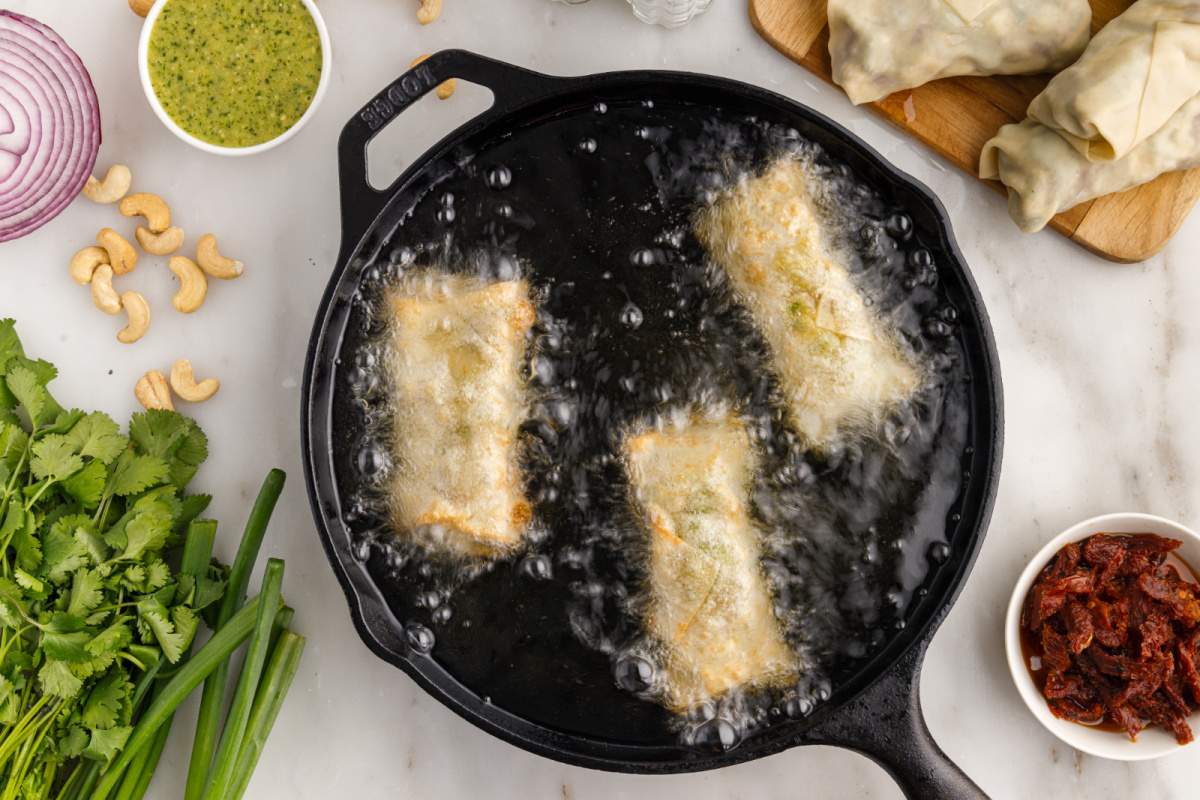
pixel 668 13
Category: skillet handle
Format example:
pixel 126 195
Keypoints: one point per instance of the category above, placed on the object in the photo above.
pixel 885 724
pixel 511 87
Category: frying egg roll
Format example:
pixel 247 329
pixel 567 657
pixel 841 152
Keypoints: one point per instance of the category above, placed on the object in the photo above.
pixel 879 47
pixel 710 606
pixel 838 367
pixel 1138 71
pixel 457 382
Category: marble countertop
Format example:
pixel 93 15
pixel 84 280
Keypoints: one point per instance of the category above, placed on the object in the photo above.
pixel 1101 364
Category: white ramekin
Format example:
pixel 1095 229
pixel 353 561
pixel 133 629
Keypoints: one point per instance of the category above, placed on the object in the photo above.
pixel 1152 742
pixel 148 87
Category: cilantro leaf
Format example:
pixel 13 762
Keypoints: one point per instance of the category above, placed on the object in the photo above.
pixel 103 706
pixel 66 646
pixel 12 606
pixel 87 592
pixel 73 742
pixel 136 473
pixel 58 681
pixel 28 391
pixel 171 641
pixel 29 549
pixel 97 436
pixel 54 458
pixel 9 702
pixel 158 574
pixel 105 744
pixel 174 438
pixel 112 639
pixel 62 552
pixel 147 532
pixel 87 485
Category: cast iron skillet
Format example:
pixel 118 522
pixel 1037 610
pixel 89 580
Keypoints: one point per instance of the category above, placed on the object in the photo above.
pixel 877 712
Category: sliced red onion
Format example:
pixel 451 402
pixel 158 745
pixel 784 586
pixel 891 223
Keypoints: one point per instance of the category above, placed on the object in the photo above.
pixel 49 125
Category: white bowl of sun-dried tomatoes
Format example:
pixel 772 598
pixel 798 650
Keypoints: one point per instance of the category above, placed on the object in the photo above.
pixel 1103 636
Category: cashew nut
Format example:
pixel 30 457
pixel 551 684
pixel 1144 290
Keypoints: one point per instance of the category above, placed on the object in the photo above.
pixel 84 263
pixel 104 296
pixel 152 391
pixel 121 254
pixel 445 88
pixel 140 7
pixel 429 11
pixel 160 244
pixel 215 264
pixel 150 206
pixel 193 286
pixel 138 311
pixel 112 188
pixel 183 381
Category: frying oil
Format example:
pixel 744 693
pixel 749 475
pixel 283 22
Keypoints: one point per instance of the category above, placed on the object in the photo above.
pixel 637 326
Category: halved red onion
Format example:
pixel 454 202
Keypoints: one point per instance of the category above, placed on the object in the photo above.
pixel 49 125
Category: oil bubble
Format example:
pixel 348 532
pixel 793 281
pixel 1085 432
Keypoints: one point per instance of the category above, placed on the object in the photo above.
pixel 498 177
pixel 587 145
pixel 939 552
pixel 537 567
pixel 600 108
pixel 643 257
pixel 420 638
pixel 445 215
pixel 634 673
pixel 362 550
pixel 631 316
pixel 442 615
pixel 717 734
pixel 372 461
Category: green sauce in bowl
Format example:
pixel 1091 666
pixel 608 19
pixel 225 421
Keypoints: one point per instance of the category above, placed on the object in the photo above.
pixel 235 73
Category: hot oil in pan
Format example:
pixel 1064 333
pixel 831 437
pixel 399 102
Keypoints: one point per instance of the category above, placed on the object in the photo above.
pixel 594 208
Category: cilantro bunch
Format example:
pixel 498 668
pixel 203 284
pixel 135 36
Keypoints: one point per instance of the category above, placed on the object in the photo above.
pixel 106 572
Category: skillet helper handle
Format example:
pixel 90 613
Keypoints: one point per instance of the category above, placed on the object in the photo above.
pixel 511 87
pixel 885 724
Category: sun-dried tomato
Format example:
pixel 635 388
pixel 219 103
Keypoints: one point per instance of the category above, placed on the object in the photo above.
pixel 1117 629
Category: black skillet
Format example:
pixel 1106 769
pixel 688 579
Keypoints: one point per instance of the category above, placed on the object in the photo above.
pixel 524 691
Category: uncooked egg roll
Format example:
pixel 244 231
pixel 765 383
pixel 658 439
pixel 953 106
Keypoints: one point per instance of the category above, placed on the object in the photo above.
pixel 710 606
pixel 456 366
pixel 1135 74
pixel 878 47
pixel 838 366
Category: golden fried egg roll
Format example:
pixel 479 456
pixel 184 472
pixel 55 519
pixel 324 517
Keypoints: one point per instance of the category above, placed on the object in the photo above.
pixel 838 366
pixel 456 369
pixel 709 604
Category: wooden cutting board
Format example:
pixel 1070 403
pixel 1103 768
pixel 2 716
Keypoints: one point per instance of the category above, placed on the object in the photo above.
pixel 956 116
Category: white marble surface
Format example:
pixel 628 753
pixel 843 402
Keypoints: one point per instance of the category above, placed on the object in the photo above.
pixel 1100 365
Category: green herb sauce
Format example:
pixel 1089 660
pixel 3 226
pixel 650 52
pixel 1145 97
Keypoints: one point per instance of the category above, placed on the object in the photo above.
pixel 235 73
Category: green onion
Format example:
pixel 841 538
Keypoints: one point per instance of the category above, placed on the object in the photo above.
pixel 243 698
pixel 285 661
pixel 207 658
pixel 208 723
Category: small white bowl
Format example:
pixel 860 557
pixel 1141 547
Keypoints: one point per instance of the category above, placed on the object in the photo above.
pixel 208 147
pixel 1152 742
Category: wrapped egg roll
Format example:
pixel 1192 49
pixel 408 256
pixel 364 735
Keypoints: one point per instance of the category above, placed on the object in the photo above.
pixel 1134 76
pixel 1045 175
pixel 710 606
pixel 838 367
pixel 457 380
pixel 883 46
